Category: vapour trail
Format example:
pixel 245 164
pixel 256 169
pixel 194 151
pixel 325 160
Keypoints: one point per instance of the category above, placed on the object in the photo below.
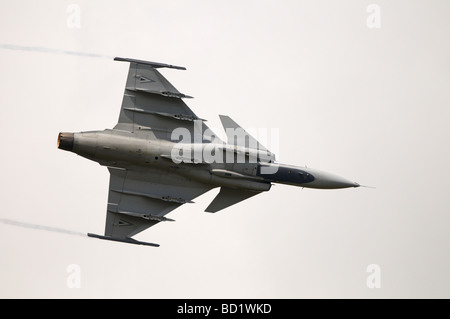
pixel 54 51
pixel 40 227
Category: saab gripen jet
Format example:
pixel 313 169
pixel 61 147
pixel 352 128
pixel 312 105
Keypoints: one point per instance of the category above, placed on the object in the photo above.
pixel 153 173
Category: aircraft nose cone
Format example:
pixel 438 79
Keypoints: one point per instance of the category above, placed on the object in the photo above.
pixel 339 182
pixel 326 180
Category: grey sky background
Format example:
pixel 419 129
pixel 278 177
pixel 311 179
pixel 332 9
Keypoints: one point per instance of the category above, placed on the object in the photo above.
pixel 371 105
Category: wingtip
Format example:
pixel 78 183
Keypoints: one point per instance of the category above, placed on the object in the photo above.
pixel 126 240
pixel 152 64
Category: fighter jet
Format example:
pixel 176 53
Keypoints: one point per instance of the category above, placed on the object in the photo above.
pixel 161 155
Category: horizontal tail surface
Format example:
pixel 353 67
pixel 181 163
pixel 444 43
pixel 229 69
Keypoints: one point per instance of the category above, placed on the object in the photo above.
pixel 228 197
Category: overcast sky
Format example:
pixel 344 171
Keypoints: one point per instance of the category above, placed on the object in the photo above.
pixel 356 89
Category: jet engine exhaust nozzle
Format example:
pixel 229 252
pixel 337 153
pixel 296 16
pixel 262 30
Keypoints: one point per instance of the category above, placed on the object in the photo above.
pixel 65 141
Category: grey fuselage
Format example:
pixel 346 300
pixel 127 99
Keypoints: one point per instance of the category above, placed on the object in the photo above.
pixel 121 149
